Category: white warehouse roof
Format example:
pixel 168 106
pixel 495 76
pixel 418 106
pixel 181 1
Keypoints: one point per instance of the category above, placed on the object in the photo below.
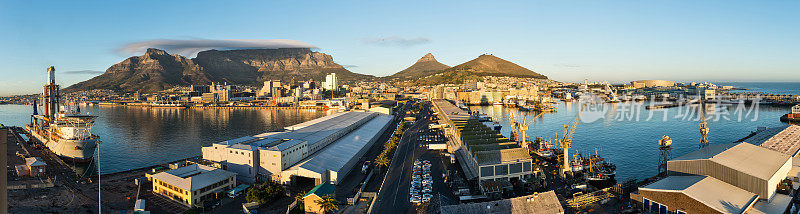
pixel 750 159
pixel 336 156
pixel 714 193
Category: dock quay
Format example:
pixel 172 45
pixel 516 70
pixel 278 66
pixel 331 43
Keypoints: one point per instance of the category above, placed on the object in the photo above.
pixel 489 162
pixel 258 107
pixel 62 189
pixel 660 106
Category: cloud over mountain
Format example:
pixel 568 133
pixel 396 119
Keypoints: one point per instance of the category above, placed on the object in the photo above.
pixel 191 47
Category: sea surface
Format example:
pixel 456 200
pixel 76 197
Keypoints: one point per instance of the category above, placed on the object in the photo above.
pixel 135 137
pixel 768 87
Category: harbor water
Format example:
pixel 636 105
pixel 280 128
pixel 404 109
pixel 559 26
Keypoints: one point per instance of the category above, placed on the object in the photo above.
pixel 623 134
pixel 135 137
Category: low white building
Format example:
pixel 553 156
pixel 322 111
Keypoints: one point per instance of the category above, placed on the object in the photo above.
pixel 193 184
pixel 265 156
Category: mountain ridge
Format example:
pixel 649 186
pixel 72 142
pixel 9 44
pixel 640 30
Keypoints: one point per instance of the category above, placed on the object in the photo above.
pixel 158 70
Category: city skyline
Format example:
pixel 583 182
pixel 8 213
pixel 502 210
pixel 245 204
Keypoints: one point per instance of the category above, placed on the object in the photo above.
pixel 614 41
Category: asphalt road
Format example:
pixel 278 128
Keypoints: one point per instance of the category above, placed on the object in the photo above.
pixel 394 196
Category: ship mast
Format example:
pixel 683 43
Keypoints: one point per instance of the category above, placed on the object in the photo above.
pixel 50 95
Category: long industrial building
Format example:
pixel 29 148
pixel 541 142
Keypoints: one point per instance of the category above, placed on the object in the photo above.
pixel 745 177
pixel 342 137
pixel 652 83
pixel 485 154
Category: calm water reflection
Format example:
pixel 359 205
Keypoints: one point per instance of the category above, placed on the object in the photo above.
pixel 135 137
pixel 632 144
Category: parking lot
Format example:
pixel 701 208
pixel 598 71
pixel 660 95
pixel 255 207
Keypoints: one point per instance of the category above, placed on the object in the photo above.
pixel 396 195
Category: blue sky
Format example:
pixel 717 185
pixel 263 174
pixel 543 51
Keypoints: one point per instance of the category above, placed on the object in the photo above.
pixel 616 41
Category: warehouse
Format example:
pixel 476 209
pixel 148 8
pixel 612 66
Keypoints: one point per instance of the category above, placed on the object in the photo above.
pixel 752 168
pixel 695 194
pixel 544 203
pixel 484 154
pixel 725 178
pixel 341 156
pixel 652 83
pixel 266 155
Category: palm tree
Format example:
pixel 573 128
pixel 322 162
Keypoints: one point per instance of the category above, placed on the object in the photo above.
pixel 299 197
pixel 382 161
pixel 328 203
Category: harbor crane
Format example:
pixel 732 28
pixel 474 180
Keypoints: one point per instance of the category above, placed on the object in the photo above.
pixel 703 125
pixel 514 127
pixel 523 127
pixel 611 93
pixel 566 143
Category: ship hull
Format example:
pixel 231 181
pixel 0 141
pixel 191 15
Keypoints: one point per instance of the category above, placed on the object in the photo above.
pixel 79 151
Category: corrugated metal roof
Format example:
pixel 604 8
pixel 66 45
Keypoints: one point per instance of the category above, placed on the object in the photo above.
pixel 714 193
pixel 34 161
pixel 335 156
pixel 312 131
pixel 499 156
pixel 706 152
pixel 451 111
pixel 546 202
pixel 321 190
pixel 747 158
pixel 764 135
pixel 787 141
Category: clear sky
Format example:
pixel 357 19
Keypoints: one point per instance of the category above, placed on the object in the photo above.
pixel 617 41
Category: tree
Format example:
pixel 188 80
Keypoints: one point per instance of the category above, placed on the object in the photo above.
pixel 328 203
pixel 265 192
pixel 299 198
pixel 382 160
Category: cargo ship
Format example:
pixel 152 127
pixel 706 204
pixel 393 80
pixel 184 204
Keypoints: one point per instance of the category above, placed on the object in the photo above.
pixel 63 129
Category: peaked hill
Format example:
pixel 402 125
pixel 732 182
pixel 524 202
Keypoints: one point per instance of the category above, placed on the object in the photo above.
pixel 484 65
pixel 425 66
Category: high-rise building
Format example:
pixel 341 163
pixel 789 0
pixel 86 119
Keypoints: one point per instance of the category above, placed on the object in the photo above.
pixel 218 93
pixel 331 82
pixel 298 92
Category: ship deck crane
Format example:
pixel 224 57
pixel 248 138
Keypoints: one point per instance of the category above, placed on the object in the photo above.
pixel 523 127
pixel 566 142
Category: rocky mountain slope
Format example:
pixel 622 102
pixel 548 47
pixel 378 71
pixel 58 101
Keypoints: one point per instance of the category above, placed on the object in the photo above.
pixel 425 66
pixel 158 70
pixel 484 65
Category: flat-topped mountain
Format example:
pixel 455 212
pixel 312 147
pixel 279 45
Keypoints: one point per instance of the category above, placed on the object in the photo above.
pixel 158 70
pixel 425 66
pixel 484 65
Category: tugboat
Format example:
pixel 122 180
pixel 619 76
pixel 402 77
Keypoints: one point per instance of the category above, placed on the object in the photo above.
pixel 577 162
pixel 544 149
pixel 600 172
pixel 66 132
